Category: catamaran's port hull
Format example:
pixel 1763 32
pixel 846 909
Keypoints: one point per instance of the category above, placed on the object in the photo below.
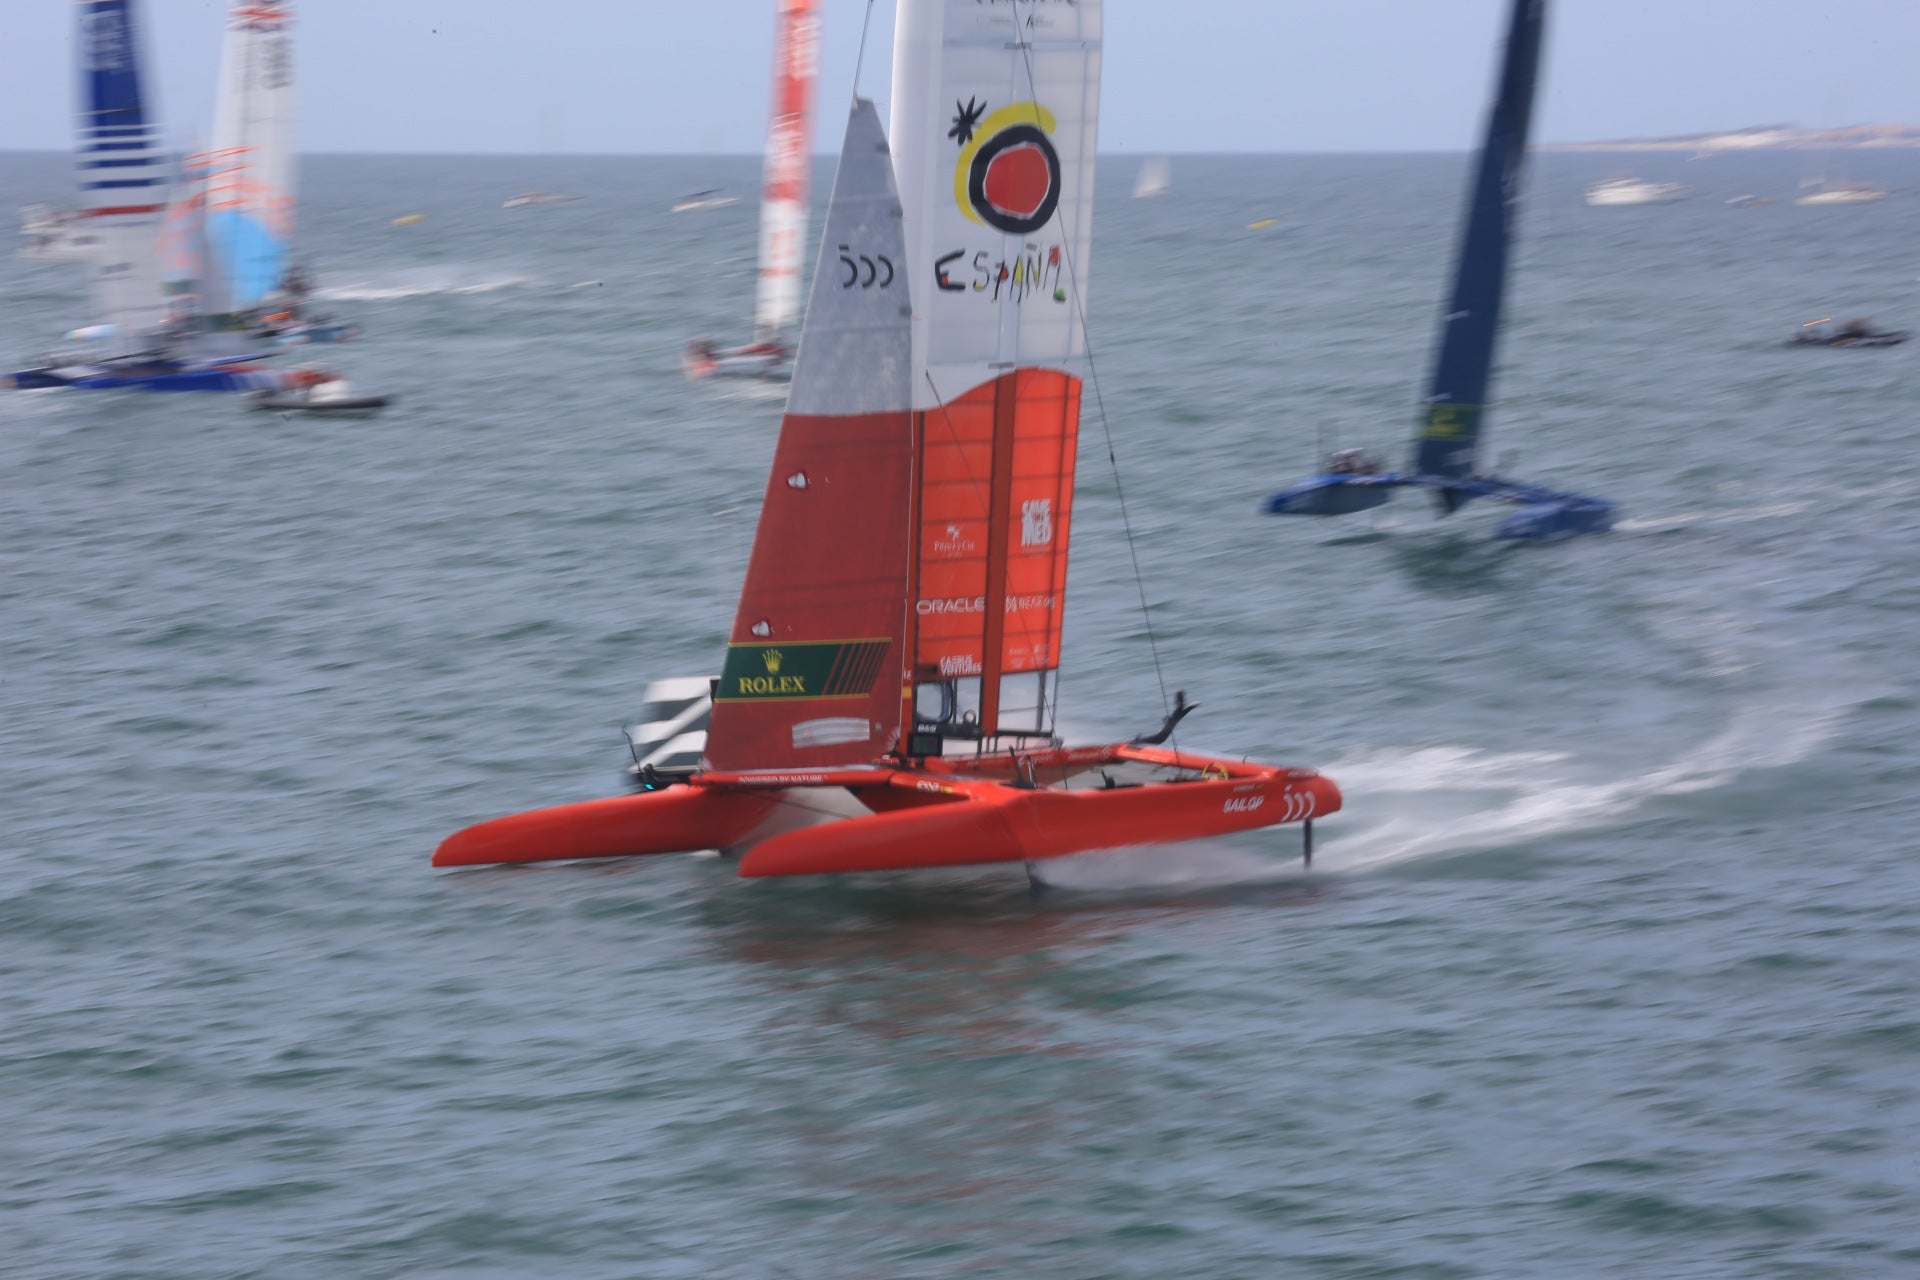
pixel 934 813
pixel 223 378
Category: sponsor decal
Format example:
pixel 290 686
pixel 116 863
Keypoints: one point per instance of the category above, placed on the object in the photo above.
pixel 831 731
pixel 1036 522
pixel 964 664
pixel 1006 177
pixel 829 669
pixel 1030 271
pixel 1243 804
pixel 978 604
pixel 1451 422
pixel 955 542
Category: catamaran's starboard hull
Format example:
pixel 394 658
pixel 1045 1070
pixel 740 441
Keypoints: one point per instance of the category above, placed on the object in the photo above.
pixel 912 817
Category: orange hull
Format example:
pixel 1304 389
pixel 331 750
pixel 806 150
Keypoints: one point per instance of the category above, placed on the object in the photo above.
pixel 929 814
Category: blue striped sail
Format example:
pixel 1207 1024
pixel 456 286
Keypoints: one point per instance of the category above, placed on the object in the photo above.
pixel 123 172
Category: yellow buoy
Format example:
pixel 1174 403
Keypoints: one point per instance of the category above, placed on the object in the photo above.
pixel 1263 224
pixel 410 219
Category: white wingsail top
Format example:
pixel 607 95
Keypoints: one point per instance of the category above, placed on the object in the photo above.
pixel 123 174
pixel 995 110
pixel 250 167
pixel 783 208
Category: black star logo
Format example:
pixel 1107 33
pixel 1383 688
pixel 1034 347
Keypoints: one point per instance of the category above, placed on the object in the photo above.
pixel 963 123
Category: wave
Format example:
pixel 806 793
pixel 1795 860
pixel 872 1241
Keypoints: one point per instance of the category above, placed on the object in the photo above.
pixel 1452 799
pixel 416 285
pixel 1404 804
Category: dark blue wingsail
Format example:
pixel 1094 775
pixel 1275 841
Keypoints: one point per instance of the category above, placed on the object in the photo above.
pixel 1447 450
pixel 1449 440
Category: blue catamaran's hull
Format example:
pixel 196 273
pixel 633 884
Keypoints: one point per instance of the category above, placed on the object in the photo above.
pixel 156 377
pixel 1544 514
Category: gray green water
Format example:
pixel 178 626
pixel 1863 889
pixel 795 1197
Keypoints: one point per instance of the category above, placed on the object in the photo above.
pixel 1609 967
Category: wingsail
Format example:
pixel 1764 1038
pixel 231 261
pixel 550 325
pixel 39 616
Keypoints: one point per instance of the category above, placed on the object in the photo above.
pixel 1449 440
pixel 996 169
pixel 124 170
pixel 248 171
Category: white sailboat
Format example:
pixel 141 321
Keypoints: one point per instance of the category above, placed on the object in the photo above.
pixel 1154 179
pixel 141 341
pixel 783 207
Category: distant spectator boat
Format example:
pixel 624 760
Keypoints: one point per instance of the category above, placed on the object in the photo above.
pixel 55 235
pixel 1842 193
pixel 1623 191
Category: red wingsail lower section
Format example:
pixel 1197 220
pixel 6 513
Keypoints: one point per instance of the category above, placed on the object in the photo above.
pixel 812 669
pixel 996 496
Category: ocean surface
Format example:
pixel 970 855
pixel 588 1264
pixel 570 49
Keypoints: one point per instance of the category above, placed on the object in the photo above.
pixel 1610 966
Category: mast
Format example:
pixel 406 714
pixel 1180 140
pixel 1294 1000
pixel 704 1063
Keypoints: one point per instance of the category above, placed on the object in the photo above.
pixel 123 171
pixel 995 111
pixel 250 166
pixel 783 201
pixel 812 674
pixel 1449 440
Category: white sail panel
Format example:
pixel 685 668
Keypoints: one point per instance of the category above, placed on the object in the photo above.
pixel 996 175
pixel 250 166
pixel 783 208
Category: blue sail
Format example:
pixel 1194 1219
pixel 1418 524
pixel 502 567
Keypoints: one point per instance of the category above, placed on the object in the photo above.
pixel 123 171
pixel 1449 442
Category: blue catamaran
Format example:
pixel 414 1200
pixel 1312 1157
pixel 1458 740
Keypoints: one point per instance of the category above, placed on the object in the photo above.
pixel 147 341
pixel 1446 453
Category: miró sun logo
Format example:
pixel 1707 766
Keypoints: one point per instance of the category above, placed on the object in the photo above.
pixel 1008 173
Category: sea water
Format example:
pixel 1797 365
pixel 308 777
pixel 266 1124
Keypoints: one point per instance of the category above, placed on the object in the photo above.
pixel 1608 967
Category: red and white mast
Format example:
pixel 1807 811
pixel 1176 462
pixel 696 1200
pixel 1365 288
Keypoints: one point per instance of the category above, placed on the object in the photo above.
pixel 783 201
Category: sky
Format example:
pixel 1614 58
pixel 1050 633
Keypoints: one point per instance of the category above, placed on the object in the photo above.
pixel 650 77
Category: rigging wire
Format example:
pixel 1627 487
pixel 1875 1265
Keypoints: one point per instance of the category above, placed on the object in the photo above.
pixel 1025 45
pixel 866 26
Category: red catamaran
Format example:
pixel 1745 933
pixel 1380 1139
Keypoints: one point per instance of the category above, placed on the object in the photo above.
pixel 887 700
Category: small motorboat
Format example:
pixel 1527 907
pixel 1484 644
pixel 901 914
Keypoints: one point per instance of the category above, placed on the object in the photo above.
pixel 701 200
pixel 1825 193
pixel 333 398
pixel 703 358
pixel 535 199
pixel 1850 333
pixel 1629 191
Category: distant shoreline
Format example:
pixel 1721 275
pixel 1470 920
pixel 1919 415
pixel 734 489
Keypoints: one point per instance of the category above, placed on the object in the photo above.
pixel 1765 137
